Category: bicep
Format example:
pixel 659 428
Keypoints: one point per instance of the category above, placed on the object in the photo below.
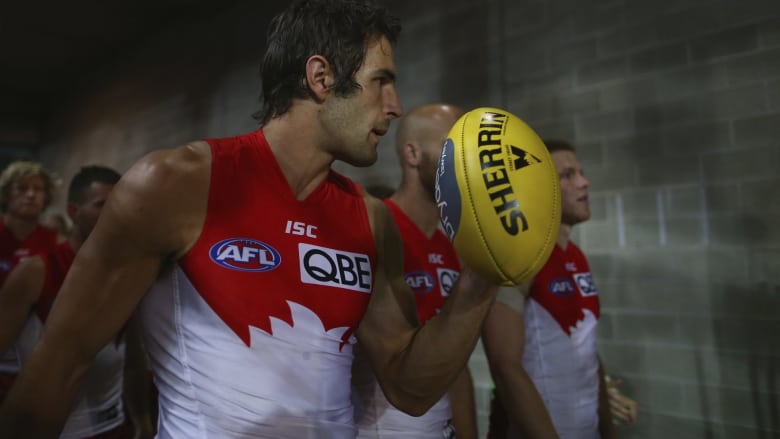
pixel 151 215
pixel 108 277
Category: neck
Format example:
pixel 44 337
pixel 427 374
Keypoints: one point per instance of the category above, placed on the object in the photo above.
pixel 304 162
pixel 19 227
pixel 418 205
pixel 564 232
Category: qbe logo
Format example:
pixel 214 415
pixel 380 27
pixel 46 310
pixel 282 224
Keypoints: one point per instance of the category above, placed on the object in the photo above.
pixel 334 268
pixel 585 284
pixel 244 254
pixel 447 280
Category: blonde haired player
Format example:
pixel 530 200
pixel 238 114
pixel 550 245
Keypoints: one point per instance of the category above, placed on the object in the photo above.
pixel 26 189
pixel 430 269
pixel 542 353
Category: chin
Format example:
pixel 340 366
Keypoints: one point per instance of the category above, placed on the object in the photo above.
pixel 360 162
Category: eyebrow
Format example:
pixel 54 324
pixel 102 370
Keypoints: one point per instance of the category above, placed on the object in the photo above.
pixel 387 73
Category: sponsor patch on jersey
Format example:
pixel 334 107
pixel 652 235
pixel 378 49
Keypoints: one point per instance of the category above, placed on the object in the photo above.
pixel 244 254
pixel 334 268
pixel 447 280
pixel 561 286
pixel 420 282
pixel 585 284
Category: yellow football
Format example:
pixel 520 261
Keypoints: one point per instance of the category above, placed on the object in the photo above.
pixel 498 195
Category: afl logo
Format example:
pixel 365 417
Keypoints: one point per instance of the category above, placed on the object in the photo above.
pixel 561 286
pixel 244 254
pixel 419 281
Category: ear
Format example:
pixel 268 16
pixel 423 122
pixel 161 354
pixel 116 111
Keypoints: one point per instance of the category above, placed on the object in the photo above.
pixel 412 154
pixel 319 77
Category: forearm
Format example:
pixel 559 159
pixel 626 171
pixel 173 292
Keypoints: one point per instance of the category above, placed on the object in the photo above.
pixel 416 365
pixel 523 403
pixel 12 324
pixel 441 348
pixel 606 426
pixel 464 411
pixel 40 399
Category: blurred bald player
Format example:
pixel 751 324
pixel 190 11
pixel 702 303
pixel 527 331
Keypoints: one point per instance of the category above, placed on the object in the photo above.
pixel 430 269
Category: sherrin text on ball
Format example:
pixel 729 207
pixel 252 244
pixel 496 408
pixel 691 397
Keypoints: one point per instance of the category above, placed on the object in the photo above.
pixel 498 195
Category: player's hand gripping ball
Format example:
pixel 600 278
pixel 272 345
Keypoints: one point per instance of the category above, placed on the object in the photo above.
pixel 498 195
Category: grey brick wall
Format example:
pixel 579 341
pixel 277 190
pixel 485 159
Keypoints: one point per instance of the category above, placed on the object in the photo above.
pixel 675 107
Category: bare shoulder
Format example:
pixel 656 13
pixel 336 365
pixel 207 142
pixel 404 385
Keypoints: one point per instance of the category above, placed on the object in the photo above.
pixel 163 198
pixel 374 209
pixel 171 166
pixel 379 216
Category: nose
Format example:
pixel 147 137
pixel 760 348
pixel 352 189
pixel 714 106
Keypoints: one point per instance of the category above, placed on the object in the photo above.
pixel 393 107
pixel 583 183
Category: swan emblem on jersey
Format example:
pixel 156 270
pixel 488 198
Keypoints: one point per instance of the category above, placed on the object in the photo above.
pixel 304 320
pixel 246 305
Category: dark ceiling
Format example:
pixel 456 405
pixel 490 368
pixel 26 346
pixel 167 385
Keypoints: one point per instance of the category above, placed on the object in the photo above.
pixel 47 46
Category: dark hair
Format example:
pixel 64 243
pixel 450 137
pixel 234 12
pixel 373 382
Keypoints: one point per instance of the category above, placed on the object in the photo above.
pixel 339 30
pixel 87 175
pixel 558 145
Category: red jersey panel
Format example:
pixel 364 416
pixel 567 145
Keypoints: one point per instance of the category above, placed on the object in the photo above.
pixel 431 266
pixel 261 247
pixel 564 287
pixel 12 249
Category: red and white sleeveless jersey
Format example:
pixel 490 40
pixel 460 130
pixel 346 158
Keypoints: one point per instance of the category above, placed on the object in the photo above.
pixel 12 251
pixel 561 315
pixel 251 334
pixel 431 268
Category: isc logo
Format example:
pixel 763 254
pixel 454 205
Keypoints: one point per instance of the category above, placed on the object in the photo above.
pixel 334 268
pixel 245 254
pixel 419 281
pixel 561 286
pixel 300 229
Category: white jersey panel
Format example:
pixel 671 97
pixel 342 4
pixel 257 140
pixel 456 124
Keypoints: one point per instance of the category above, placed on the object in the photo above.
pixel 564 369
pixel 212 385
pixel 376 418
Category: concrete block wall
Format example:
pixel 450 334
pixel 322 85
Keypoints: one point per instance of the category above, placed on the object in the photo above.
pixel 675 108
